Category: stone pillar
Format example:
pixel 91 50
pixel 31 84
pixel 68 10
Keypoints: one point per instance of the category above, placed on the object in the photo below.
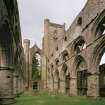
pixel 15 84
pixel 6 85
pixel 93 85
pixel 56 80
pixel 73 86
pixel 51 85
pixel 56 86
pixel 62 86
pixel 19 85
pixel 48 85
pixel 22 86
pixel 26 52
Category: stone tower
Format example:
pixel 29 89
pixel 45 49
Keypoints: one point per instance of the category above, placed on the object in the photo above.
pixel 26 51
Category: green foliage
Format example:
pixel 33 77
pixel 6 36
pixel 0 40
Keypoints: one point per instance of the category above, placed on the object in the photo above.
pixel 35 68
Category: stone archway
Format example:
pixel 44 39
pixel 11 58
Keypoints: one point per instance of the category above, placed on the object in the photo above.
pixel 80 76
pixel 78 45
pixel 32 53
pixel 96 59
pixel 64 84
pixel 96 85
pixel 78 72
pixel 98 28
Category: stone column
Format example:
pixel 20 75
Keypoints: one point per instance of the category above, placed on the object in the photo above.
pixel 6 85
pixel 51 85
pixel 15 76
pixel 26 51
pixel 22 86
pixel 19 83
pixel 56 86
pixel 48 85
pixel 73 86
pixel 62 86
pixel 93 85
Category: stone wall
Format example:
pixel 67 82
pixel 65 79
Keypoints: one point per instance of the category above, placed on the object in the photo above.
pixel 64 51
pixel 11 52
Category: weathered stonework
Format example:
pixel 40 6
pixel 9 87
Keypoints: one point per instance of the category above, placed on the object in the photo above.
pixel 29 53
pixel 11 52
pixel 75 53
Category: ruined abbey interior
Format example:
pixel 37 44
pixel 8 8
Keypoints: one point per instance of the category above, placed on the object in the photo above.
pixel 70 59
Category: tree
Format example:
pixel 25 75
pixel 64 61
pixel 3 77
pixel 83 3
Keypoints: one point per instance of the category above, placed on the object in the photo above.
pixel 35 68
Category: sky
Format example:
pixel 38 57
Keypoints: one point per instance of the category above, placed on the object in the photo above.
pixel 33 12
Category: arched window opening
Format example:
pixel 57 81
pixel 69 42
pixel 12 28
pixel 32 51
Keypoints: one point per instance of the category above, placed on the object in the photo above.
pixel 101 28
pixel 56 75
pixel 64 69
pixel 52 70
pixel 65 55
pixel 65 38
pixel 52 74
pixel 36 71
pixel 52 66
pixel 81 45
pixel 48 74
pixel 35 67
pixel 56 62
pixel 79 21
pixel 102 76
pixel 81 76
pixel 102 60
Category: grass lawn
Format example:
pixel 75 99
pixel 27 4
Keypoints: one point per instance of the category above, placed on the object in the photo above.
pixel 57 100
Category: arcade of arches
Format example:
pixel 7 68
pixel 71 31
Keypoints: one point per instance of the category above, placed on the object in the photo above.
pixel 74 68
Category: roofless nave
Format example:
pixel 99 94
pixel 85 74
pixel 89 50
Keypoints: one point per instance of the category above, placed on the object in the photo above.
pixel 70 59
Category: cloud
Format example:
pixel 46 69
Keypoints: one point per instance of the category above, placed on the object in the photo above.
pixel 33 13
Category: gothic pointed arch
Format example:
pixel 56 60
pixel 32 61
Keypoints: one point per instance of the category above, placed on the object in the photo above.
pixel 98 28
pixel 56 61
pixel 56 73
pixel 78 45
pixel 80 67
pixel 64 69
pixel 98 53
pixel 65 55
pixel 99 69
